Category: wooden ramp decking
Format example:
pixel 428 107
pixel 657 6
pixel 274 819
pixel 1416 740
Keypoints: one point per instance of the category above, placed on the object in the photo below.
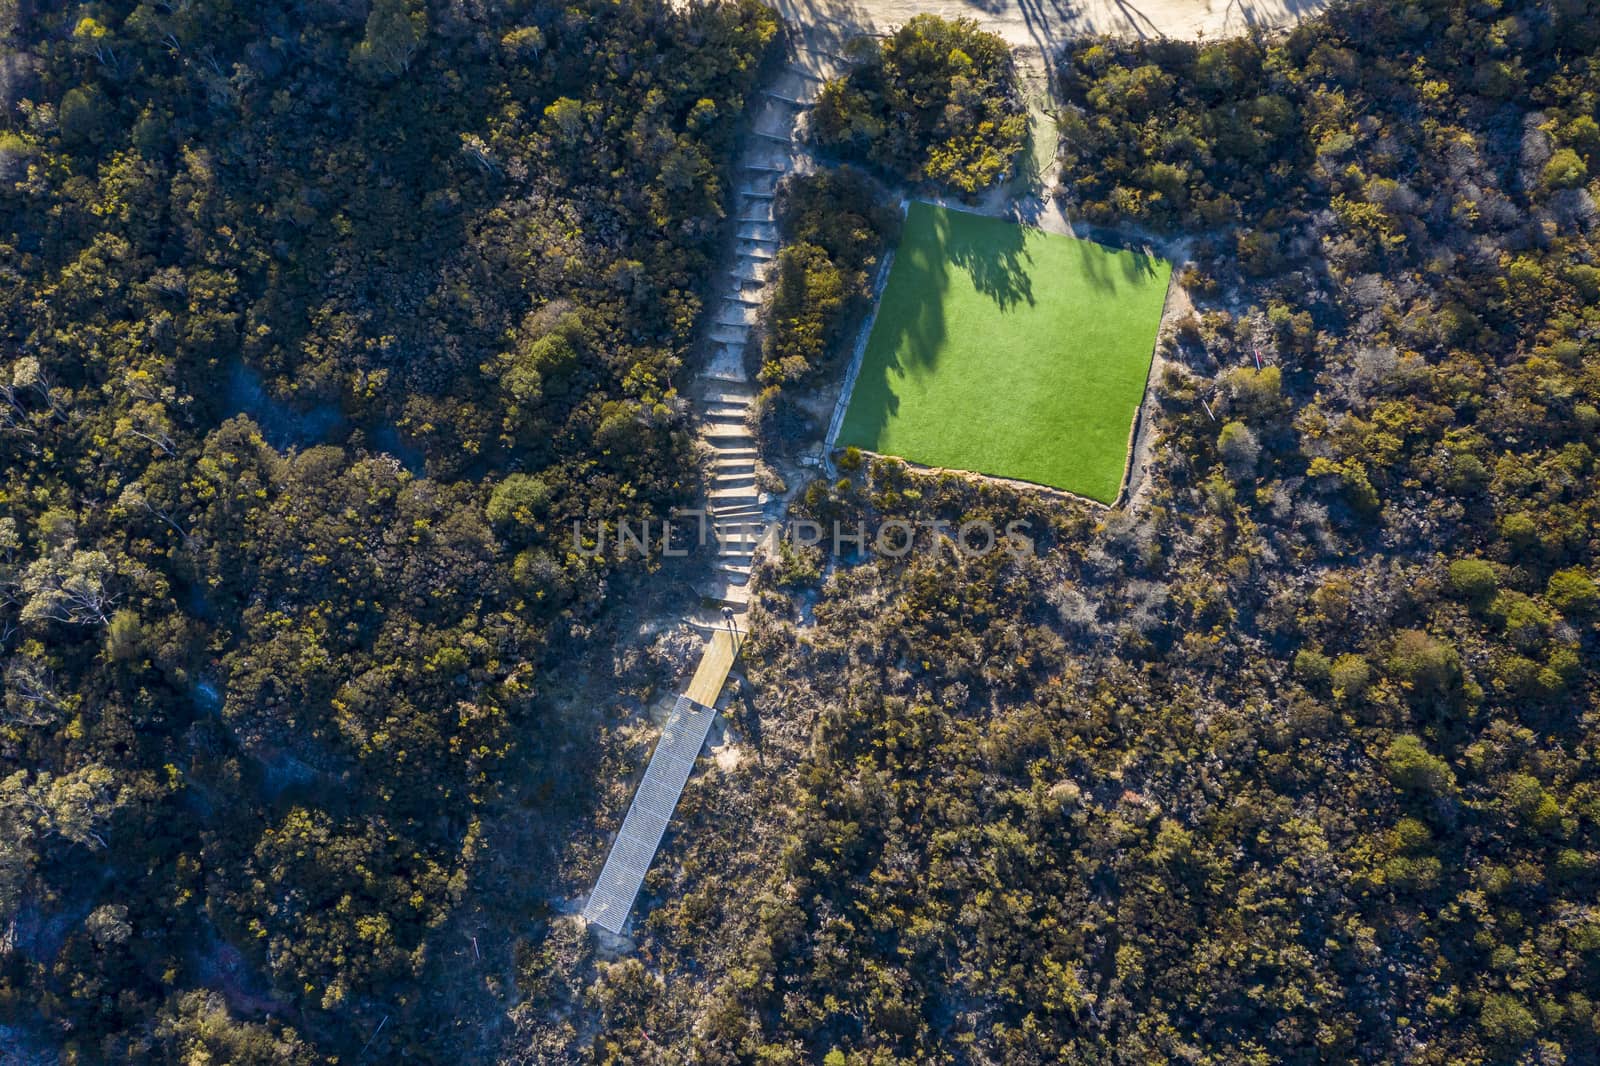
pixel 715 662
pixel 646 823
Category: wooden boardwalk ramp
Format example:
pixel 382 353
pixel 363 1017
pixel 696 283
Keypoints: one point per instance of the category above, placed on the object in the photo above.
pixel 657 797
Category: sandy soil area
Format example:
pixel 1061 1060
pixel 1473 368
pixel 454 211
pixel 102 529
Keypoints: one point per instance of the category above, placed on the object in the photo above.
pixel 1046 24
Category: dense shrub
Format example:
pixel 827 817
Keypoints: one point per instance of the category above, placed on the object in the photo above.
pixel 834 225
pixel 935 102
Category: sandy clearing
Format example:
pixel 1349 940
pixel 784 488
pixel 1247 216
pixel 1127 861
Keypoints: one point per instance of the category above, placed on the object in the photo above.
pixel 1046 24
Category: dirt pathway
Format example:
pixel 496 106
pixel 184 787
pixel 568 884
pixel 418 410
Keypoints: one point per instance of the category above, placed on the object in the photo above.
pixel 1045 25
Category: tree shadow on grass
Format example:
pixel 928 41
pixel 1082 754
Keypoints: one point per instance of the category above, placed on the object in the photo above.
pixel 911 328
pixel 993 252
pixel 908 331
pixel 1108 273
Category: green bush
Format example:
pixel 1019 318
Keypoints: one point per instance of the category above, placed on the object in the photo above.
pixel 1530 802
pixel 519 498
pixel 1572 591
pixel 937 102
pixel 1506 1021
pixel 83 116
pixel 1312 667
pixel 1423 662
pixel 1239 449
pixel 834 225
pixel 1565 170
pixel 1351 675
pixel 1473 580
pixel 1410 765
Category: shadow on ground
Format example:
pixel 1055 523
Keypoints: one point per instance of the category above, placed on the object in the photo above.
pixel 994 256
pixel 911 323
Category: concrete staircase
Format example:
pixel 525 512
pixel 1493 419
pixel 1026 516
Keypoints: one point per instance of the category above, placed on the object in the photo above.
pixel 739 512
pixel 736 508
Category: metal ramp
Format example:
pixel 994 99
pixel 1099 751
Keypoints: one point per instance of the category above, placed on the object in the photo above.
pixel 651 810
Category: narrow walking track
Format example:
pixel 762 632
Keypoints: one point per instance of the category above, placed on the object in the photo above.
pixel 739 512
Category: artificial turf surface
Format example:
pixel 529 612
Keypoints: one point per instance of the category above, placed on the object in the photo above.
pixel 1008 351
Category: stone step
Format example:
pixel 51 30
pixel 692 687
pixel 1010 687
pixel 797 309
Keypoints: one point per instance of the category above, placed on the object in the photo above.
pixel 712 618
pixel 750 527
pixel 772 160
pixel 818 50
pixel 738 516
pixel 709 622
pixel 751 194
pixel 747 497
pixel 727 367
pixel 735 596
pixel 728 395
pixel 727 364
pixel 792 101
pixel 744 512
pixel 735 430
pixel 750 524
pixel 723 372
pixel 739 570
pixel 775 142
pixel 756 253
pixel 742 300
pixel 735 466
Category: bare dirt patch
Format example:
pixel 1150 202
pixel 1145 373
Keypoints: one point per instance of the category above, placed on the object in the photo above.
pixel 1047 25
